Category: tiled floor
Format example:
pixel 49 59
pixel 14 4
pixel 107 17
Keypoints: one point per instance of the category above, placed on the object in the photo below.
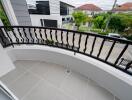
pixel 33 80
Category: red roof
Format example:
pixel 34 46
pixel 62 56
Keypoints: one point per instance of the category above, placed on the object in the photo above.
pixel 89 7
pixel 124 7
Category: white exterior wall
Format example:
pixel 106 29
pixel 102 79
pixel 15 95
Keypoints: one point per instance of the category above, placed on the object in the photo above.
pixel 54 14
pixel 35 19
pixel 54 7
pixel 115 81
pixel 6 64
pixel 71 10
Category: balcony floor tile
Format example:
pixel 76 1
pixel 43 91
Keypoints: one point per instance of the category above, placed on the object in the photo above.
pixel 34 80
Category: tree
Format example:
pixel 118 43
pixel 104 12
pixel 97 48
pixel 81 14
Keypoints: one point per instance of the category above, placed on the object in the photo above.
pixel 108 21
pixel 79 18
pixel 99 22
pixel 115 24
pixel 89 20
pixel 120 22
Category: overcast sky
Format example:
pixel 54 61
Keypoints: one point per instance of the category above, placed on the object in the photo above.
pixel 104 4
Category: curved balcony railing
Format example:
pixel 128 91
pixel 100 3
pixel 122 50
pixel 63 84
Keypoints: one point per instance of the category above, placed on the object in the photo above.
pixel 112 51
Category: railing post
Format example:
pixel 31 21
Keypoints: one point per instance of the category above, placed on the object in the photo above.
pixel 128 65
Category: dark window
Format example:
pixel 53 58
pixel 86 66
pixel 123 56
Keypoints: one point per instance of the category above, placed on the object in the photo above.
pixel 64 9
pixel 42 7
pixel 48 23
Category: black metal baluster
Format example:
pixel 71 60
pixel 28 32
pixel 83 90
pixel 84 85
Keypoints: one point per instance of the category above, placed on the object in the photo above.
pixel 102 44
pixel 32 39
pixel 122 52
pixel 2 38
pixel 27 39
pixel 22 39
pixel 128 65
pixel 17 40
pixel 56 37
pixel 62 37
pixel 8 35
pixel 73 39
pixel 93 46
pixel 67 39
pixel 36 35
pixel 51 35
pixel 86 41
pixel 110 50
pixel 79 42
pixel 45 34
pixel 42 40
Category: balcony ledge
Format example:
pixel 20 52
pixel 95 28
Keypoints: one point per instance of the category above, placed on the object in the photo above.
pixel 113 80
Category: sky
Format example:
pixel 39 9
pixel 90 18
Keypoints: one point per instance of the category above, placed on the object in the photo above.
pixel 104 4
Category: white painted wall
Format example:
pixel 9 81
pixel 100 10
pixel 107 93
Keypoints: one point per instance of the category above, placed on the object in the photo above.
pixel 54 7
pixel 71 10
pixel 35 19
pixel 115 81
pixel 6 64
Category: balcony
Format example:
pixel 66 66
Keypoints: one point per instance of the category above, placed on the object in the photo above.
pixel 65 64
pixel 47 81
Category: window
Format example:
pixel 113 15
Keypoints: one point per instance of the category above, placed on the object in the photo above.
pixel 42 7
pixel 63 9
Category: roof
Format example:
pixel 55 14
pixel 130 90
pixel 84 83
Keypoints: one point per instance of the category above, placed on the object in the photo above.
pixel 67 4
pixel 124 7
pixel 89 7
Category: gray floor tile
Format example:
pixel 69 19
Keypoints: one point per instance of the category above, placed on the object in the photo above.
pixel 12 76
pixel 21 86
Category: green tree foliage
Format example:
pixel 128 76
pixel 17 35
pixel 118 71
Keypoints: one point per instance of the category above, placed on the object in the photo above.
pixel 79 18
pixel 115 24
pixel 120 22
pixel 99 22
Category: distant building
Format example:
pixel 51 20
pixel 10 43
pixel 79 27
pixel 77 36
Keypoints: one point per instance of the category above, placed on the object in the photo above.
pixel 126 7
pixel 50 13
pixel 90 9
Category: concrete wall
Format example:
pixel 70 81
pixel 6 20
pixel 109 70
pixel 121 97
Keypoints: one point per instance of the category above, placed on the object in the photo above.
pixel 6 64
pixel 35 19
pixel 115 81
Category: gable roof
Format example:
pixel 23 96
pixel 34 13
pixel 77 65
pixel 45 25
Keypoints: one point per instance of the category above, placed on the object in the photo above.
pixel 124 7
pixel 89 7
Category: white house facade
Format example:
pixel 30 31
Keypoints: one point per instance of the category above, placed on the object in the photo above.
pixel 56 12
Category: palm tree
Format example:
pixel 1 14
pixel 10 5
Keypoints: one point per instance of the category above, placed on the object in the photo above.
pixel 111 11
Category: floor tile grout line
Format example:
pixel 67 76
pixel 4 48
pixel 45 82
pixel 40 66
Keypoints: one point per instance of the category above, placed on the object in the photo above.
pixel 18 78
pixel 31 89
pixel 49 82
pixel 42 78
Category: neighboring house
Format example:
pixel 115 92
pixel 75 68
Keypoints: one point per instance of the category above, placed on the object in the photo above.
pixel 90 9
pixel 125 8
pixel 50 13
